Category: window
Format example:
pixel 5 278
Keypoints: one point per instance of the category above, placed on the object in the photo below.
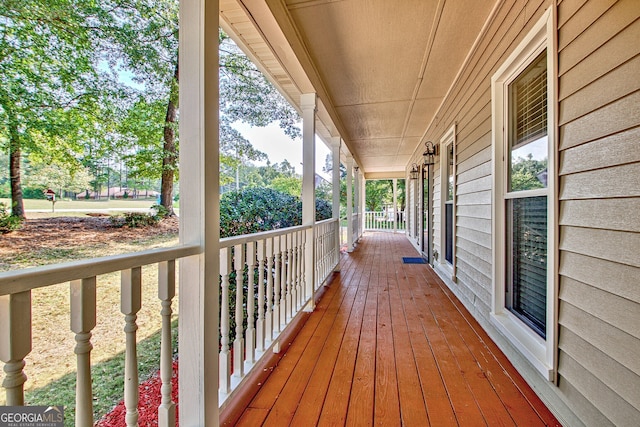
pixel 526 211
pixel 447 198
pixel 523 306
pixel 448 207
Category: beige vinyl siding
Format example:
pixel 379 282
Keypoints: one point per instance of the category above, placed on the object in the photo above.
pixel 598 189
pixel 615 376
pixel 480 224
pixel 611 276
pixel 599 170
pixel 617 149
pixel 469 106
pixel 437 211
pixel 602 60
pixel 570 394
pixel 618 411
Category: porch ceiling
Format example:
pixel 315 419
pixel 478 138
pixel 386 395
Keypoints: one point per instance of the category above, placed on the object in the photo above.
pixel 381 68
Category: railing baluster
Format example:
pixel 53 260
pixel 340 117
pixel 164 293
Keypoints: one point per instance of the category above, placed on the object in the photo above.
pixel 301 292
pixel 277 285
pixel 294 275
pixel 291 294
pixel 83 320
pixel 336 242
pixel 327 250
pixel 323 253
pixel 225 356
pixel 131 296
pixel 15 343
pixel 316 243
pixel 304 267
pixel 166 292
pixel 268 326
pixel 260 329
pixel 251 332
pixel 283 283
pixel 238 343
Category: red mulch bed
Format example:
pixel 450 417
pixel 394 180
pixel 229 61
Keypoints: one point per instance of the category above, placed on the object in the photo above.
pixel 147 404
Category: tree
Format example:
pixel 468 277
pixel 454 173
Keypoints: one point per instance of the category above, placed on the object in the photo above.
pixel 235 151
pixel 149 43
pixel 528 174
pixel 141 129
pixel 4 175
pixel 264 176
pixel 148 49
pixel 58 178
pixel 328 168
pixel 378 193
pixel 247 96
pixel 50 85
pixel 77 77
pixel 287 184
pixel 402 194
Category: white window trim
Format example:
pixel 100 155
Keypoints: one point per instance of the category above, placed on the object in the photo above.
pixel 541 353
pixel 449 138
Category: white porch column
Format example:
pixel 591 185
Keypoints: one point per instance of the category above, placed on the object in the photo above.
pixel 308 103
pixel 362 200
pixel 335 169
pixel 356 201
pixel 395 205
pixel 199 212
pixel 350 242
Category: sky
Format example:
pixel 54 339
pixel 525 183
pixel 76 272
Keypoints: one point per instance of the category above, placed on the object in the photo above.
pixel 278 146
pixel 269 139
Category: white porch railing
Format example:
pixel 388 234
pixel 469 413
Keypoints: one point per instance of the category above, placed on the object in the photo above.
pixel 272 269
pixel 16 327
pixel 270 266
pixel 384 221
pixel 327 235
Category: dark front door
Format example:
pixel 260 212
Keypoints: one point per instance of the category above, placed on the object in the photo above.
pixel 426 213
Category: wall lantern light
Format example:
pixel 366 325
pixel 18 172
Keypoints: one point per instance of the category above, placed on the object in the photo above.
pixel 414 172
pixel 430 153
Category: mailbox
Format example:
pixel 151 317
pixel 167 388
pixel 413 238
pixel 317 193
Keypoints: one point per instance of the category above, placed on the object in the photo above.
pixel 50 195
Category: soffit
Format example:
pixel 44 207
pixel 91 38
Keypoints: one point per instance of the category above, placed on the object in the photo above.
pixel 380 68
pixel 267 47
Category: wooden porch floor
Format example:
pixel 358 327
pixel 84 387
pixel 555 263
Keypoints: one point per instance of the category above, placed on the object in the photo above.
pixel 389 345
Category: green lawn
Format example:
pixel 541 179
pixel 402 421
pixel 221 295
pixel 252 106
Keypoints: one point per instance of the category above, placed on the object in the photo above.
pixel 51 365
pixel 85 204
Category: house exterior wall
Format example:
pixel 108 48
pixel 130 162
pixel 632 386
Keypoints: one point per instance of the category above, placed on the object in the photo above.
pixel 599 283
pixel 598 114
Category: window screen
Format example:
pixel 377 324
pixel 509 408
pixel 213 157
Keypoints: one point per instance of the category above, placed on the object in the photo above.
pixel 527 233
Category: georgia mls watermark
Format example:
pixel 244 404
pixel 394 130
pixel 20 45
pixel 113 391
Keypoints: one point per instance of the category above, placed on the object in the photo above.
pixel 31 416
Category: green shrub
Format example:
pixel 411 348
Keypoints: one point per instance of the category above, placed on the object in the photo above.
pixel 134 220
pixel 160 211
pixel 8 222
pixel 323 210
pixel 253 210
pixel 33 193
pixel 140 219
